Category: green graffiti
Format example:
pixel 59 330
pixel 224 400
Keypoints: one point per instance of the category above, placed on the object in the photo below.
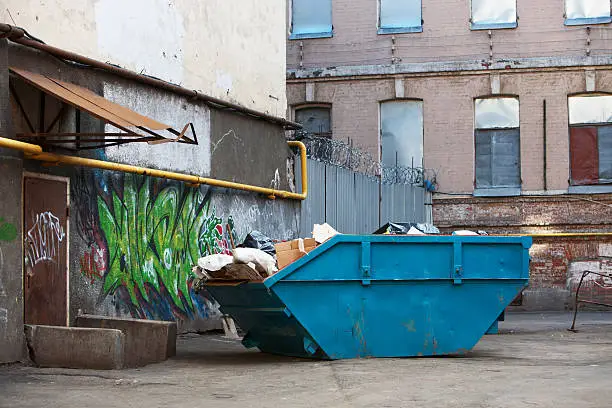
pixel 154 236
pixel 8 232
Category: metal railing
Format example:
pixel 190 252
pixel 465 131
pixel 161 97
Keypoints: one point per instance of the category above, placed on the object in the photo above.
pixel 590 302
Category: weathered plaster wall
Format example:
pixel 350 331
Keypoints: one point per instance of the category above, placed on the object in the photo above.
pixel 234 50
pixel 11 255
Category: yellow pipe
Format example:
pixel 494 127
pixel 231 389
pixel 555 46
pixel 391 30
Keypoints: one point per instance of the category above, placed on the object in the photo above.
pixel 568 235
pixel 35 152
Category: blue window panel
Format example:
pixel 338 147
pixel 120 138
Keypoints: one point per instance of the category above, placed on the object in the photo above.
pixel 498 158
pixel 311 19
pixel 604 142
pixel 400 16
pixel 493 14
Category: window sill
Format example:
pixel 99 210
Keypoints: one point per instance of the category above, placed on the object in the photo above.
pixel 586 21
pixel 400 30
pixel 493 26
pixel 593 189
pixel 497 192
pixel 304 36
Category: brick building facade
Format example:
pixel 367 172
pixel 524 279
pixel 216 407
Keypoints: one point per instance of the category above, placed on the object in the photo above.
pixel 507 104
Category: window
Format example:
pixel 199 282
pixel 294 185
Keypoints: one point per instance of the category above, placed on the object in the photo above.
pixel 587 12
pixel 590 120
pixel 491 14
pixel 316 121
pixel 400 16
pixel 497 137
pixel 311 19
pixel 401 126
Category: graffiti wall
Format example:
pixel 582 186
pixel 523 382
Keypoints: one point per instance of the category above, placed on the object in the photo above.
pixel 140 238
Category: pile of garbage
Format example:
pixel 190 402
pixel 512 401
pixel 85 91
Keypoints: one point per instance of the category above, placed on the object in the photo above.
pixel 258 257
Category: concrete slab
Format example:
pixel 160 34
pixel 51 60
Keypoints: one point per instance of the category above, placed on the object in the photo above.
pixel 72 347
pixel 146 341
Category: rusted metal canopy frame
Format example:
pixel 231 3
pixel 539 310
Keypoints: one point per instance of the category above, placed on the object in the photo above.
pixel 590 302
pixel 129 136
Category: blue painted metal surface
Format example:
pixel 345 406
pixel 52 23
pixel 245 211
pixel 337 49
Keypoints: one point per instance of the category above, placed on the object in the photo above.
pixel 382 296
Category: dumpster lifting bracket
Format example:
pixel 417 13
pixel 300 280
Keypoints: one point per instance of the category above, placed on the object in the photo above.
pixel 457 260
pixel 365 264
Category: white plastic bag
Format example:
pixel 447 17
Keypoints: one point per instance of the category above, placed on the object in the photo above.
pixel 266 262
pixel 322 233
pixel 211 263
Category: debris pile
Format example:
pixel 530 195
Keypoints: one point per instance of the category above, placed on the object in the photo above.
pixel 257 258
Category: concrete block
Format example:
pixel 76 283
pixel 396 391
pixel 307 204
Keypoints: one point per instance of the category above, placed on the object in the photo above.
pixel 545 299
pixel 146 341
pixel 73 347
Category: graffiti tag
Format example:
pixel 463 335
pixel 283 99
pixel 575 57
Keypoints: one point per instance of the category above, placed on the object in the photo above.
pixel 93 264
pixel 43 240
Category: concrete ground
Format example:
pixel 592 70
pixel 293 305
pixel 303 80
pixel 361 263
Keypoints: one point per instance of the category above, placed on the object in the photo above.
pixel 535 362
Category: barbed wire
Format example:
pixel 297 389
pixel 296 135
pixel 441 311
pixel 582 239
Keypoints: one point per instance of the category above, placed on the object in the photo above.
pixel 341 154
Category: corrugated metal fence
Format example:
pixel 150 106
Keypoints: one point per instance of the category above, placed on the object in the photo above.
pixel 354 203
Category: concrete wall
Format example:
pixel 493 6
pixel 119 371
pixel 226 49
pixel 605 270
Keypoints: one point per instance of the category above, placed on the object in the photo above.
pixel 12 343
pixel 446 37
pixel 448 104
pixel 234 50
pixel 134 239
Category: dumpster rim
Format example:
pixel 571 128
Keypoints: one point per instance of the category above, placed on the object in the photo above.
pixel 525 241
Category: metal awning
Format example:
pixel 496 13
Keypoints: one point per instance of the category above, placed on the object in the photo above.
pixel 134 127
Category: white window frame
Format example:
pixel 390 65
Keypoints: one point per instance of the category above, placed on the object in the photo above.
pixel 399 30
pixel 493 26
pixel 574 21
pixel 309 35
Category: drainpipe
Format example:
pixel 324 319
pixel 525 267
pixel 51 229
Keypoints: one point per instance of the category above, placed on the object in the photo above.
pixel 19 36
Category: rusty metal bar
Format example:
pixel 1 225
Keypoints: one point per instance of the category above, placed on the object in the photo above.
pixel 19 36
pixel 56 119
pixel 578 301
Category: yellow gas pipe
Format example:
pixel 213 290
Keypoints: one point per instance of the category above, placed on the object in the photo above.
pixel 35 152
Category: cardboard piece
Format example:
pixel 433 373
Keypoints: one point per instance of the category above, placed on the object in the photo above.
pixel 290 251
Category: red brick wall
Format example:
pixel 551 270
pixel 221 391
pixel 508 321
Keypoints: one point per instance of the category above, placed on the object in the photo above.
pixel 556 262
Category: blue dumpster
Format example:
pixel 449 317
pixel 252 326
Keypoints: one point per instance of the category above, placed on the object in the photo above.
pixel 381 296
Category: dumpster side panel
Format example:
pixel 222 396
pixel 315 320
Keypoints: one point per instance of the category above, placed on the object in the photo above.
pixel 265 319
pixel 396 319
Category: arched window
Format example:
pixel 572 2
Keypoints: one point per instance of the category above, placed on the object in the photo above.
pixel 497 138
pixel 401 130
pixel 316 120
pixel 590 120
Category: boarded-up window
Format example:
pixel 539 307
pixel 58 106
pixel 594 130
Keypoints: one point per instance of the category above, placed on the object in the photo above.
pixel 587 11
pixel 401 125
pixel 493 14
pixel 400 16
pixel 311 18
pixel 316 121
pixel 590 120
pixel 497 138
